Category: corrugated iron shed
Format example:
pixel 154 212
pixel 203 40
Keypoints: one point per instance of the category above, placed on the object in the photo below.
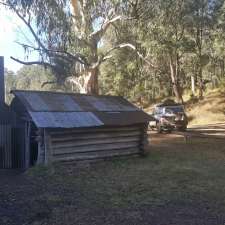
pixel 65 110
pixel 6 115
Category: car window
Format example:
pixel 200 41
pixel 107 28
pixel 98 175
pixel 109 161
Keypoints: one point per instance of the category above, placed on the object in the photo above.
pixel 168 110
pixel 176 109
pixel 153 112
pixel 158 110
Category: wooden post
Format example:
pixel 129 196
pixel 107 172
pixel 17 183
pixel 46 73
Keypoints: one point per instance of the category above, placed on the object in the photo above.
pixel 27 145
pixel 48 148
pixel 2 81
pixel 41 149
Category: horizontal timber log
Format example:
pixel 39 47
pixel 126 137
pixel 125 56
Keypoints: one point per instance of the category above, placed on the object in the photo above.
pixel 93 135
pixel 88 130
pixel 76 143
pixel 96 155
pixel 90 148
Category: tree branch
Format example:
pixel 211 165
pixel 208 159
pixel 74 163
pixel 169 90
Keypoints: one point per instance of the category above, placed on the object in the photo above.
pixel 61 54
pixel 77 82
pixel 78 57
pixel 3 3
pixel 47 82
pixel 127 45
pixel 33 63
pixel 82 19
pixel 75 7
pixel 97 35
pixel 29 26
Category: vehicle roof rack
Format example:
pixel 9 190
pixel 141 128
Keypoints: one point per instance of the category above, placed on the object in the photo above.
pixel 168 102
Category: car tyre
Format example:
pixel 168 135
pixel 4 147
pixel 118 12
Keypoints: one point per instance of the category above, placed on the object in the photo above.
pixel 183 128
pixel 159 128
pixel 151 127
pixel 169 131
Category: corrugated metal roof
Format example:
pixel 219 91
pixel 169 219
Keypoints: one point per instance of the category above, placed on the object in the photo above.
pixel 123 118
pixel 41 101
pixel 65 120
pixel 65 110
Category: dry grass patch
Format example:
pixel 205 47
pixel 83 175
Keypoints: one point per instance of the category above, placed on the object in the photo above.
pixel 208 111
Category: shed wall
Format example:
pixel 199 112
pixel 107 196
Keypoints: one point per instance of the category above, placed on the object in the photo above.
pixel 5 146
pixel 11 140
pixel 94 143
pixel 12 145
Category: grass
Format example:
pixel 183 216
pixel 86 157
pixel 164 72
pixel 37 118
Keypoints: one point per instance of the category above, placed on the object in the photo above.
pixel 187 175
pixel 159 179
pixel 178 182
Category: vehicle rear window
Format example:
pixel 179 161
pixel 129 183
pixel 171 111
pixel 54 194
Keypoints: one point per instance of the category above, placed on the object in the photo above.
pixel 158 110
pixel 175 109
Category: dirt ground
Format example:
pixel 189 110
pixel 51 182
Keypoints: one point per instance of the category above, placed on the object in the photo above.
pixel 178 183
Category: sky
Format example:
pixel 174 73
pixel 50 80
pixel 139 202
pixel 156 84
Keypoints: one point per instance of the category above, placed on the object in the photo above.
pixel 13 29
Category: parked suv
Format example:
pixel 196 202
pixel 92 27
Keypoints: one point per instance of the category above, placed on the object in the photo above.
pixel 169 117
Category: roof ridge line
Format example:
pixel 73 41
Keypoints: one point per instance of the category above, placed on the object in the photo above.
pixel 65 93
pixel 115 111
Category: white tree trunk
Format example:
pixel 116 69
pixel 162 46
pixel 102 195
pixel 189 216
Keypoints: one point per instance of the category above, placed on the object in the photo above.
pixel 193 85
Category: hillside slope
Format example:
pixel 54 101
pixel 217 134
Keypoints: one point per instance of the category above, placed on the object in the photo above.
pixel 210 110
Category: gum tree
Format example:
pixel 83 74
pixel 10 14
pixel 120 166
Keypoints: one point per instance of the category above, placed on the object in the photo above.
pixel 69 34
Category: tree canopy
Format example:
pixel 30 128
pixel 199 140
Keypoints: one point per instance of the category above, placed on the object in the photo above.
pixel 137 48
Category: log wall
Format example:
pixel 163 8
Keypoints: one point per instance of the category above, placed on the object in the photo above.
pixel 86 144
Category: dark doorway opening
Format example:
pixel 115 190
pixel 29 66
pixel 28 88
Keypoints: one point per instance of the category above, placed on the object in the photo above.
pixel 33 145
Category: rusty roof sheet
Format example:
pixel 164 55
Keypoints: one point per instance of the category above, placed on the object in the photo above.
pixel 65 110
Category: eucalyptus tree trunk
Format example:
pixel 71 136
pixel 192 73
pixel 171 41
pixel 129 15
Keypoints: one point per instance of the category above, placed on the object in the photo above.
pixel 91 81
pixel 193 85
pixel 92 71
pixel 174 74
pixel 85 29
pixel 201 84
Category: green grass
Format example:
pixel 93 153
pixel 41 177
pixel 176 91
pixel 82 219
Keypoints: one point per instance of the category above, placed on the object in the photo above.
pixel 164 176
pixel 188 177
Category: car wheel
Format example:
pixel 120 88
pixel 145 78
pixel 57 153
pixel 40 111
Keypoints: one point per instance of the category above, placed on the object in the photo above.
pixel 151 127
pixel 169 131
pixel 183 128
pixel 159 128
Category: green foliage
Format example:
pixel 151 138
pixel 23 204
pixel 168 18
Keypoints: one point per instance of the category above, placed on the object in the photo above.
pixel 187 35
pixel 191 30
pixel 30 78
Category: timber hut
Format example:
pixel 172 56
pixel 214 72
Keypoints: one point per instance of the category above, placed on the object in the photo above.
pixel 64 126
